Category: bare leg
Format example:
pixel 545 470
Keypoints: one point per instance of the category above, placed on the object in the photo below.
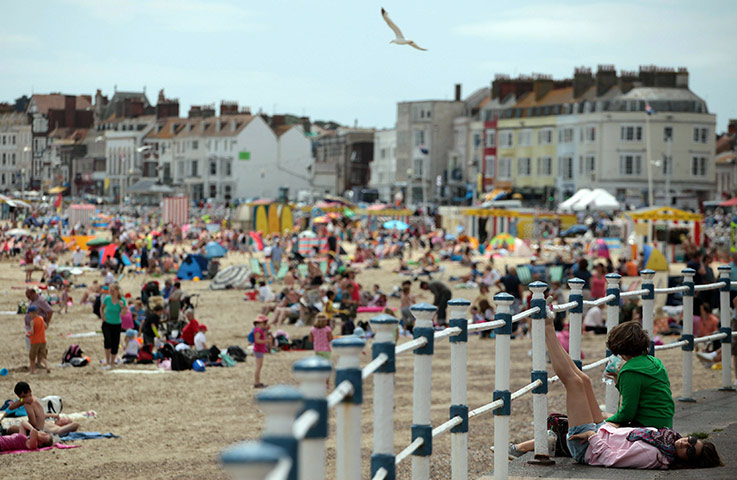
pixel 577 403
pixel 526 446
pixel 257 372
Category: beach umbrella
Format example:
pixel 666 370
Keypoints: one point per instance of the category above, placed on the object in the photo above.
pixel 347 212
pixel 215 250
pixel 234 276
pixel 574 230
pixel 521 249
pixel 98 242
pixel 55 190
pixel 599 249
pixel 653 259
pixel 307 234
pixel 15 232
pixel 449 237
pixel 321 219
pixel 503 240
pixel 395 225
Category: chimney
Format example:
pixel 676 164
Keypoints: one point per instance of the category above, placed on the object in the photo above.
pixel 627 80
pixel 542 85
pixel 458 92
pixel 682 77
pixel 70 105
pixel 228 108
pixel 503 86
pixel 195 111
pixel 208 111
pixel 606 78
pixel 582 81
pixel 732 126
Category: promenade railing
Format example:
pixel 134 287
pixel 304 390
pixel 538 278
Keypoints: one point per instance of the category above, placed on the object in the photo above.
pixel 293 443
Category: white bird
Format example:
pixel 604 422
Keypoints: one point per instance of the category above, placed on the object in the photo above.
pixel 400 40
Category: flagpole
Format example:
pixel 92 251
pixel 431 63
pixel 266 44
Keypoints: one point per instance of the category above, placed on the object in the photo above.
pixel 650 201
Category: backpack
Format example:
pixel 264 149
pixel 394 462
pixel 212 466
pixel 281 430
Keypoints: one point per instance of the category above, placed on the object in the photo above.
pixel 558 424
pixel 79 361
pixel 180 361
pixel 146 354
pixel 74 351
pixel 237 353
pixel 252 336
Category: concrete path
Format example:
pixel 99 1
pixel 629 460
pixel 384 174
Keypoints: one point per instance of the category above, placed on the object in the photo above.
pixel 714 413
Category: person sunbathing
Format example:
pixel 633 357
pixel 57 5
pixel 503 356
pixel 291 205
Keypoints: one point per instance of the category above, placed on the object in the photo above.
pixel 28 438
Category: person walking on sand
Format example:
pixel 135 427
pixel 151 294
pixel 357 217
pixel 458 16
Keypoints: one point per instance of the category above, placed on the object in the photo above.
pixel 111 309
pixel 260 347
pixel 37 337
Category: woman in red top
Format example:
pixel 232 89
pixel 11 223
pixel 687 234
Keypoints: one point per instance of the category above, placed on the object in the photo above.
pixel 598 282
pixel 190 329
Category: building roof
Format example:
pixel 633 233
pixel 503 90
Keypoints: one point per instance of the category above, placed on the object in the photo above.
pixel 150 186
pixel 193 127
pixel 69 135
pixel 666 99
pixel 120 97
pixel 12 119
pixel 55 101
pixel 556 96
pixel 725 143
pixel 282 129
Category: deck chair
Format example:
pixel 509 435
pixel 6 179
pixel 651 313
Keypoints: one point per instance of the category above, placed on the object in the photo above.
pixel 282 272
pixel 524 274
pixel 268 270
pixel 256 267
pixel 324 267
pixel 555 273
pixel 302 270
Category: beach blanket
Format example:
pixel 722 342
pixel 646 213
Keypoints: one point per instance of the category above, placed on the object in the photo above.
pixel 60 446
pixel 11 421
pixel 18 412
pixel 82 335
pixel 372 309
pixel 124 370
pixel 72 436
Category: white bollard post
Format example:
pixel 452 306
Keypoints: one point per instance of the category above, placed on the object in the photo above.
pixel 725 310
pixel 383 455
pixel 648 306
pixel 539 394
pixel 501 385
pixel 612 320
pixel 255 461
pixel 687 334
pixel 312 374
pixel 348 413
pixel 575 320
pixel 281 403
pixel 459 388
pixel 421 395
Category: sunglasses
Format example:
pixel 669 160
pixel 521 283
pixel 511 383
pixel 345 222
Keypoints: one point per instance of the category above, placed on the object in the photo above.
pixel 691 451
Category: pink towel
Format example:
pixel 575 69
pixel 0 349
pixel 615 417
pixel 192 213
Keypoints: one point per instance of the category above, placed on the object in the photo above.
pixel 56 445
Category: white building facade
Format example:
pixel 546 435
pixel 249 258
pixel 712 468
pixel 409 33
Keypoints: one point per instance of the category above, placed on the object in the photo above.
pixel 384 165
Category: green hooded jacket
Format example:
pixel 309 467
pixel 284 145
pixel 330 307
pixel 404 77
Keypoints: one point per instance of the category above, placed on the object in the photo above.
pixel 644 393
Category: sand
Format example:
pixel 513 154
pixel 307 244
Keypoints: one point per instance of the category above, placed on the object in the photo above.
pixel 174 425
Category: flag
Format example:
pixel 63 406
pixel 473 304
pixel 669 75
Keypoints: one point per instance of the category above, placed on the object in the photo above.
pixel 57 203
pixel 424 149
pixel 648 109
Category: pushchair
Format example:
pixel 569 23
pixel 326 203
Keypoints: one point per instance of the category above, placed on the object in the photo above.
pixel 150 289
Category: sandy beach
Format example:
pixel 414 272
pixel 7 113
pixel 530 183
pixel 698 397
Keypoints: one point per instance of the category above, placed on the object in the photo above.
pixel 174 424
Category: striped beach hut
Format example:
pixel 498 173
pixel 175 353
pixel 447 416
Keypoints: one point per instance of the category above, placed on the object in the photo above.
pixel 176 210
pixel 80 214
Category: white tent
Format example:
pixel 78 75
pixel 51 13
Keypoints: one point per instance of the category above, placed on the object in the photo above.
pixel 597 199
pixel 567 205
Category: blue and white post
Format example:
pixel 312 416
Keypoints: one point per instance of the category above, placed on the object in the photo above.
pixel 725 310
pixel 539 394
pixel 648 305
pixel 281 403
pixel 459 388
pixel 501 384
pixel 348 412
pixel 312 374
pixel 421 395
pixel 687 335
pixel 575 320
pixel 256 461
pixel 383 455
pixel 612 320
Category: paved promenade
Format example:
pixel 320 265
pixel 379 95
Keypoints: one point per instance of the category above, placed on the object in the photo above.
pixel 714 413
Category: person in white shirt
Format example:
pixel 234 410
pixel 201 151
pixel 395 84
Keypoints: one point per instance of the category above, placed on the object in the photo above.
pixel 78 257
pixel 593 321
pixel 264 292
pixel 109 277
pixel 200 342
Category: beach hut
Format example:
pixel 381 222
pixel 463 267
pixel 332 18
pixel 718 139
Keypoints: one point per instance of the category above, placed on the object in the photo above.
pixel 80 214
pixel 192 266
pixel 176 210
pixel 648 222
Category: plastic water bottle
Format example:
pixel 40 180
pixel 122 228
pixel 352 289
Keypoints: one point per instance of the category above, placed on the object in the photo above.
pixel 612 367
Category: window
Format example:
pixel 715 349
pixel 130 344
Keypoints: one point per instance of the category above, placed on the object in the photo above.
pixel 590 133
pixel 3 159
pixel 213 191
pixel 228 169
pixel 12 159
pixel 476 139
pixel 589 163
pixel 630 164
pixel 227 191
pixel 524 167
pixel 181 168
pixel 506 139
pixel 698 165
pixel 417 167
pixel 545 136
pixel 505 168
pixel 700 134
pixel 490 139
pixel 667 165
pixel 667 134
pixel 194 168
pixel 195 144
pixel 13 139
pixel 419 137
pixel 490 164
pixel 544 166
pixel 565 135
pixel 524 138
pixel 566 167
pixel 213 168
pixel 382 153
pixel 630 133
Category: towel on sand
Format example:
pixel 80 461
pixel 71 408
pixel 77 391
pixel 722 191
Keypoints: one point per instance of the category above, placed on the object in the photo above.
pixel 72 436
pixel 56 445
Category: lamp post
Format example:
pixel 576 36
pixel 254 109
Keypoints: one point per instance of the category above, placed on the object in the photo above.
pixel 409 186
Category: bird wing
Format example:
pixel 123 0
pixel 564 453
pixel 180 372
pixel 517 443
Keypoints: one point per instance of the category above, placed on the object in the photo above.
pixel 413 44
pixel 391 24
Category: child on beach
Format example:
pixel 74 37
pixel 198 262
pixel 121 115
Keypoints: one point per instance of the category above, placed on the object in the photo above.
pixel 321 335
pixel 66 299
pixel 406 300
pixel 260 347
pixel 131 346
pixel 37 335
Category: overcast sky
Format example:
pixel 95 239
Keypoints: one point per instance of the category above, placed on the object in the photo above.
pixel 332 59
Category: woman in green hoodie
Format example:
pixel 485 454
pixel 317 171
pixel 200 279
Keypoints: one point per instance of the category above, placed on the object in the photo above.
pixel 645 398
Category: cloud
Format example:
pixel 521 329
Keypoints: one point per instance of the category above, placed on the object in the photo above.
pixel 186 16
pixel 14 41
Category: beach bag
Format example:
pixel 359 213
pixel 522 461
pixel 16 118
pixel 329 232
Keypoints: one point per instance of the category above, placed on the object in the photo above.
pixel 52 404
pixel 558 424
pixel 74 351
pixel 145 354
pixel 79 361
pixel 226 360
pixel 213 354
pixel 237 353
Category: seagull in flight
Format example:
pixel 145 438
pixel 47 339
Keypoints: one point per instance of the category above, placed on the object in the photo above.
pixel 400 40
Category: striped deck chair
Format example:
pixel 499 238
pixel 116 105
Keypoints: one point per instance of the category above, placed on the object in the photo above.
pixel 256 267
pixel 269 270
pixel 302 270
pixel 324 267
pixel 555 273
pixel 524 274
pixel 282 271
